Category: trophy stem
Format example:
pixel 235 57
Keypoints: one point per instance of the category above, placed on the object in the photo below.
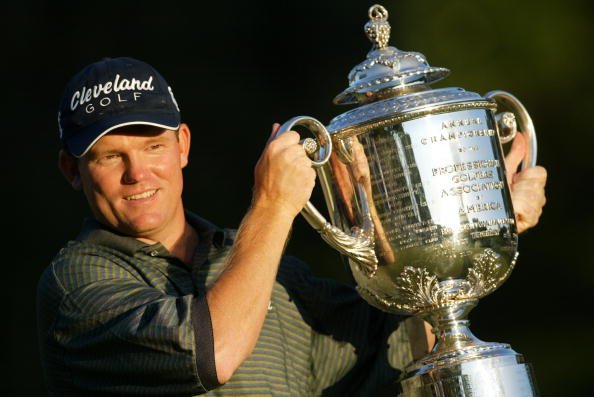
pixel 451 327
pixel 461 365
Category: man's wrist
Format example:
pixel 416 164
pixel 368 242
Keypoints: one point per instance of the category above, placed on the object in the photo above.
pixel 275 209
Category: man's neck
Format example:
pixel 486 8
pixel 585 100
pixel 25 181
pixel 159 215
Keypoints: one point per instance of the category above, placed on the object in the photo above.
pixel 185 246
pixel 182 245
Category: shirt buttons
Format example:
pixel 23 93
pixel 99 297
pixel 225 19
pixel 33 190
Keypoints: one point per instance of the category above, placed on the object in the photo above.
pixel 154 253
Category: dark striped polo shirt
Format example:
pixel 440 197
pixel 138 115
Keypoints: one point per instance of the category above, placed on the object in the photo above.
pixel 118 316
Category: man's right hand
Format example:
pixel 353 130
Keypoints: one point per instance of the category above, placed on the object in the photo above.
pixel 284 178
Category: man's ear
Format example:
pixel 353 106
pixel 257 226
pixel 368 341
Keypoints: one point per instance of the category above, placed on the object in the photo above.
pixel 184 143
pixel 68 164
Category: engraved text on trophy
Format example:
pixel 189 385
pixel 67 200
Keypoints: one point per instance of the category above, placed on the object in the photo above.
pixel 438 186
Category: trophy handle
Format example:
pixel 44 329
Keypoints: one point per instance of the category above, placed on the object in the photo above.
pixel 507 123
pixel 324 141
pixel 359 245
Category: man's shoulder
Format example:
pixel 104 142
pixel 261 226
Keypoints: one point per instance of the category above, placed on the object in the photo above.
pixel 77 252
pixel 80 262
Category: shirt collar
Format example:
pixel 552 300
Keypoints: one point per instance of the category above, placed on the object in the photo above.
pixel 206 231
pixel 95 232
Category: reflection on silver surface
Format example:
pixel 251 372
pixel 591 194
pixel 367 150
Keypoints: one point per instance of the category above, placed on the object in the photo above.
pixel 492 373
pixel 438 202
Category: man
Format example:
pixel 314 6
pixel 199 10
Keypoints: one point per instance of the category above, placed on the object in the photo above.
pixel 152 300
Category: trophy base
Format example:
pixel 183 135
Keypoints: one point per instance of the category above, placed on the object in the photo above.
pixel 487 370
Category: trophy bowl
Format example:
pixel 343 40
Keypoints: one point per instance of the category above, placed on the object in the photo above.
pixel 415 184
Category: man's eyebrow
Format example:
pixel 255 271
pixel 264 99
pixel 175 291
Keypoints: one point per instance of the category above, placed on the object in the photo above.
pixel 93 154
pixel 156 138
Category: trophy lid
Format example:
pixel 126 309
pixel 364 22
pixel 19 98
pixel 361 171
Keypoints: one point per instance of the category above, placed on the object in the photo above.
pixel 387 71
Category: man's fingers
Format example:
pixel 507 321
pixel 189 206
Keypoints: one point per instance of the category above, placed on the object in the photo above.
pixel 528 196
pixel 515 156
pixel 537 174
pixel 286 139
pixel 528 212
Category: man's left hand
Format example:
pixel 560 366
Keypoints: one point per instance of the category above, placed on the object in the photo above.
pixel 527 186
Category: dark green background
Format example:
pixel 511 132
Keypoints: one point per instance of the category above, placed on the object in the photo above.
pixel 236 68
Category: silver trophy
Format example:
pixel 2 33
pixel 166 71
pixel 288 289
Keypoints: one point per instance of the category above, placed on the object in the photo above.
pixel 414 181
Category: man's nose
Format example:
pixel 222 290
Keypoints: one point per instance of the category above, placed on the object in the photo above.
pixel 135 171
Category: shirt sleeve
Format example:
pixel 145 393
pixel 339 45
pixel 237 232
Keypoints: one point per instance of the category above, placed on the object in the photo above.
pixel 103 329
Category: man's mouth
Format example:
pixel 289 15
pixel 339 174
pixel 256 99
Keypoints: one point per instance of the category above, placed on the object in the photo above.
pixel 143 195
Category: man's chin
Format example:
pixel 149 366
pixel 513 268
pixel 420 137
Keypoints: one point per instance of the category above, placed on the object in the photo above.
pixel 144 227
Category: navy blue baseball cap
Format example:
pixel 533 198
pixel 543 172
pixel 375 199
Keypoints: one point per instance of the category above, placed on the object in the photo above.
pixel 113 93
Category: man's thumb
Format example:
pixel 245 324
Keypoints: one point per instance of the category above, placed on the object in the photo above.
pixel 515 156
pixel 275 128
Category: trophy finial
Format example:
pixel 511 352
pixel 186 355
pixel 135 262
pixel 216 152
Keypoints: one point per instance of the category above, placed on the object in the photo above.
pixel 378 28
pixel 387 71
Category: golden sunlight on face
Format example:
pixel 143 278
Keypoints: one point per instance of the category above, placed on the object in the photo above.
pixel 133 181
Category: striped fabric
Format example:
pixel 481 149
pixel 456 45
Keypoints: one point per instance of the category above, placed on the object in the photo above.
pixel 117 316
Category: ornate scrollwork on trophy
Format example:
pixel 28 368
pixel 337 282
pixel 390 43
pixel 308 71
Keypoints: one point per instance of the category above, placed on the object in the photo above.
pixel 359 246
pixel 485 275
pixel 415 289
pixel 418 288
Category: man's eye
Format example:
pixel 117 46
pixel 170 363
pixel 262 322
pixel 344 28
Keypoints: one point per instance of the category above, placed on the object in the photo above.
pixel 156 146
pixel 109 157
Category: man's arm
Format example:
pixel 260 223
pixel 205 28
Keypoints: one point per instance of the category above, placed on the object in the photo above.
pixel 238 300
pixel 104 328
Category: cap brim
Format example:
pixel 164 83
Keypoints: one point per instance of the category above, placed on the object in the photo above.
pixel 79 144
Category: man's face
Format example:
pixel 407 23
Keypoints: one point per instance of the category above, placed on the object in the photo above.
pixel 133 181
